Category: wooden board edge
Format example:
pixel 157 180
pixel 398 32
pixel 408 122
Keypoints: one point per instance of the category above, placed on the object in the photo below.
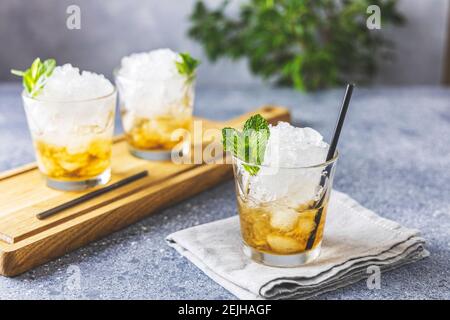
pixel 148 184
pixel 271 112
pixel 66 237
pixel 16 171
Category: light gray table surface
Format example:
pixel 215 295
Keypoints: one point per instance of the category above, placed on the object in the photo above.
pixel 395 160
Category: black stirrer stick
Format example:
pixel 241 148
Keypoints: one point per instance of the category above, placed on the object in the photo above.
pixel 330 155
pixel 92 194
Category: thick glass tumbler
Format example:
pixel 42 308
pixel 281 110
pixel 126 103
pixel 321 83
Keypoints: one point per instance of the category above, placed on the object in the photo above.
pixel 282 211
pixel 156 115
pixel 72 140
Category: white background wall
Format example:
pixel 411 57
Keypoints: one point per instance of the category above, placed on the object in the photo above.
pixel 420 44
pixel 113 28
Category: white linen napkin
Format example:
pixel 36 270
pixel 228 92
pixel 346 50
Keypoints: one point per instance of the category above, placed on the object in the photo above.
pixel 355 238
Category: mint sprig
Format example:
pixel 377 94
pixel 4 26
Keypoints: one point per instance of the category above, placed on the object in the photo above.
pixel 35 77
pixel 250 144
pixel 187 66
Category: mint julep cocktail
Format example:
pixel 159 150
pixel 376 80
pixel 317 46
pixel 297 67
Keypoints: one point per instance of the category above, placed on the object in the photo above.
pixel 281 194
pixel 71 119
pixel 156 91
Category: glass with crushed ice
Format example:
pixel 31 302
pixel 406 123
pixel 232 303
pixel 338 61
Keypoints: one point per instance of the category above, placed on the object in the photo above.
pixel 156 103
pixel 283 206
pixel 71 122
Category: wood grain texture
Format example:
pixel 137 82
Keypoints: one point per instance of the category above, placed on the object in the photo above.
pixel 26 241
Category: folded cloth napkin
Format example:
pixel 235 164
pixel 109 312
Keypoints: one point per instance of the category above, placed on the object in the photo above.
pixel 355 238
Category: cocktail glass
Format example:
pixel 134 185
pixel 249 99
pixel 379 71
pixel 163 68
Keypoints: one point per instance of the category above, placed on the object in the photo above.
pixel 72 139
pixel 282 211
pixel 156 123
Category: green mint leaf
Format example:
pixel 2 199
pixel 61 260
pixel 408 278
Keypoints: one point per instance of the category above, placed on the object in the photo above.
pixel 250 144
pixel 187 66
pixel 49 65
pixel 253 170
pixel 17 72
pixel 256 122
pixel 35 68
pixel 35 77
pixel 257 130
pixel 231 140
pixel 27 81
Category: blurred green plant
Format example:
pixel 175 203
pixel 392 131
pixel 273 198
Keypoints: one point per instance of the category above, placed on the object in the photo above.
pixel 305 44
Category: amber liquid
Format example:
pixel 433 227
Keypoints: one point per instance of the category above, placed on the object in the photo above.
pixel 155 134
pixel 278 229
pixel 61 163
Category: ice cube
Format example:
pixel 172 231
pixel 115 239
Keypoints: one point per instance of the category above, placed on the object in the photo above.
pixel 290 146
pixel 150 83
pixel 284 219
pixel 294 148
pixel 284 245
pixel 68 84
pixel 154 65
pixel 305 226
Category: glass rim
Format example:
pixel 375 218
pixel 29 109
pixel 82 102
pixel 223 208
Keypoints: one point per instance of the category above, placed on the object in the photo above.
pixel 117 74
pixel 113 92
pixel 314 166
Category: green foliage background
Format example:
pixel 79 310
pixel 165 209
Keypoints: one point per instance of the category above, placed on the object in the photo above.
pixel 305 44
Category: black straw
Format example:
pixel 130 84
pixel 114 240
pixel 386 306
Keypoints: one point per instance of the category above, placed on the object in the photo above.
pixel 340 122
pixel 330 155
pixel 91 195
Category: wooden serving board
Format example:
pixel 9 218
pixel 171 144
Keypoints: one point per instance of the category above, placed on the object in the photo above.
pixel 26 241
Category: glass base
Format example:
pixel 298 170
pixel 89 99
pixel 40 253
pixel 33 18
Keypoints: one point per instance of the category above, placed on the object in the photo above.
pixel 286 261
pixel 78 185
pixel 153 155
